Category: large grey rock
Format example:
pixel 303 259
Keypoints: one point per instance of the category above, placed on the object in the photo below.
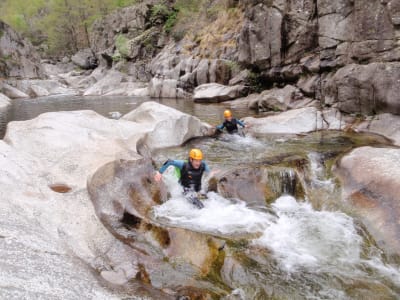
pixel 4 100
pixel 276 99
pixel 256 45
pixel 296 121
pixel 74 144
pixel 45 241
pixel 50 232
pixel 134 192
pixel 84 59
pixel 370 178
pixel 202 75
pixel 165 88
pixel 55 240
pixel 38 91
pixel 387 125
pixel 12 92
pixel 136 89
pixel 106 84
pixel 110 83
pixel 214 92
pixel 38 88
pixel 367 89
pixel 168 126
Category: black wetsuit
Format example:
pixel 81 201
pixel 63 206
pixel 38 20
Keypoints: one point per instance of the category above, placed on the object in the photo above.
pixel 231 126
pixel 191 177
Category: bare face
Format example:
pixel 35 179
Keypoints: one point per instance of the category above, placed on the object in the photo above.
pixel 195 163
pixel 228 119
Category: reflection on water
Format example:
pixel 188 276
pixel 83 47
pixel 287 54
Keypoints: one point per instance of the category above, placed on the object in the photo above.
pixel 25 109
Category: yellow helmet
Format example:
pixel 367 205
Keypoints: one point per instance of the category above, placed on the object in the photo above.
pixel 196 154
pixel 227 113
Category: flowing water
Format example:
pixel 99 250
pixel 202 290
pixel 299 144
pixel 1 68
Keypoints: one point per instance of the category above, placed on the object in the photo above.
pixel 294 248
pixel 304 248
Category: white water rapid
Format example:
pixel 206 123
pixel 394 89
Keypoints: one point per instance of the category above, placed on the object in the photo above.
pixel 299 238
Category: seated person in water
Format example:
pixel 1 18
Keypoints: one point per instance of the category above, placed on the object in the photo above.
pixel 191 172
pixel 230 123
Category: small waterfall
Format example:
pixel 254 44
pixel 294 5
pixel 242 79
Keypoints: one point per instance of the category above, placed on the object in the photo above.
pixel 318 172
pixel 289 181
pixel 284 181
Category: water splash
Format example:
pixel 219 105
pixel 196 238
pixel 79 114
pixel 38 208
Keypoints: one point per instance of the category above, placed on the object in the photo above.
pixel 305 238
pixel 219 216
pixel 321 242
pixel 240 142
pixel 318 172
pixel 300 238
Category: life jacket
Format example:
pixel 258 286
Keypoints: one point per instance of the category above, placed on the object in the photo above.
pixel 191 176
pixel 231 126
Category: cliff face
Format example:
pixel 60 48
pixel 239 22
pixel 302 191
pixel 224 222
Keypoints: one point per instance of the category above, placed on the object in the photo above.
pixel 343 53
pixel 18 59
pixel 129 38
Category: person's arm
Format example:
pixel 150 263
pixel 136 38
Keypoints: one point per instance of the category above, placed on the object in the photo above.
pixel 209 171
pixel 176 163
pixel 206 167
pixel 240 123
pixel 221 126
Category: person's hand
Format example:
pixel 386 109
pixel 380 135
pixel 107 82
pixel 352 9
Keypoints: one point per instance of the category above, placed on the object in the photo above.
pixel 157 176
pixel 213 172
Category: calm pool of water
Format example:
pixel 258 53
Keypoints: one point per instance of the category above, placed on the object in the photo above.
pixel 26 109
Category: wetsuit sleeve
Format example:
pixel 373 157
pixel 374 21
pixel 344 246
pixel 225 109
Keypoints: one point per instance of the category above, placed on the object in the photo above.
pixel 240 123
pixel 176 163
pixel 221 126
pixel 206 167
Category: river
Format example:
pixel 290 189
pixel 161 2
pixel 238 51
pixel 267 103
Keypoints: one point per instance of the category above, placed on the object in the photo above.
pixel 308 247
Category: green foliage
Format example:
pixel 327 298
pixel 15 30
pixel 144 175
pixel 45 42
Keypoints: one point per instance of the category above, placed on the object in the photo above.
pixel 122 44
pixel 116 57
pixel 159 10
pixel 232 65
pixel 170 23
pixel 64 24
pixel 255 82
pixel 125 3
pixel 186 7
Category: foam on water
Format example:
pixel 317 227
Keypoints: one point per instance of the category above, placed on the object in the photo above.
pixel 219 216
pixel 299 237
pixel 318 172
pixel 238 142
pixel 305 238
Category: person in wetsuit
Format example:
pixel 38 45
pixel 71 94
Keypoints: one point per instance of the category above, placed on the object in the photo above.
pixel 230 123
pixel 191 174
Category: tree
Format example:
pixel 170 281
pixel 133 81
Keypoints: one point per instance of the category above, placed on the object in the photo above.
pixel 64 24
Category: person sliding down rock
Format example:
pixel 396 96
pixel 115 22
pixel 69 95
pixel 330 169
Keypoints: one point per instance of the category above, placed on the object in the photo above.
pixel 191 172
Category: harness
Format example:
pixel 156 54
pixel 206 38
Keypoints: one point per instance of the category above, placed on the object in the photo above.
pixel 231 126
pixel 191 177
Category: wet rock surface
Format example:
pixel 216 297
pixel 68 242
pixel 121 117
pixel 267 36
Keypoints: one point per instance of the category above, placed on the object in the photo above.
pixel 123 194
